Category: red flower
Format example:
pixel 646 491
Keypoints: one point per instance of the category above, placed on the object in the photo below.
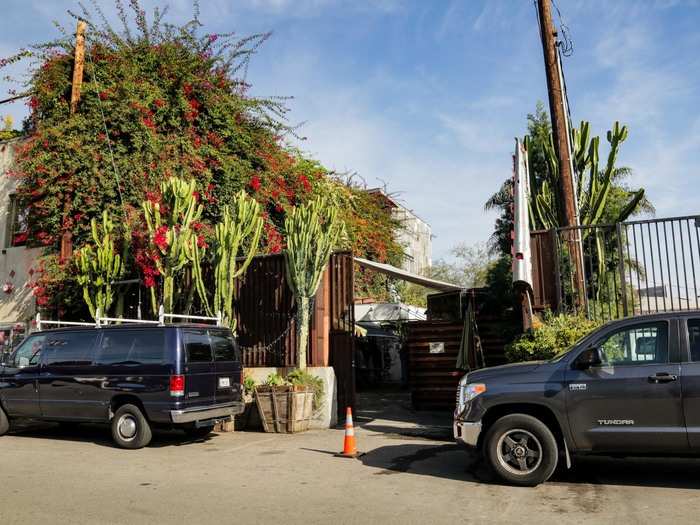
pixel 148 122
pixel 201 242
pixel 159 102
pixel 160 238
pixel 104 95
pixel 305 183
pixel 194 104
pixel 149 281
pixel 255 183
pixel 196 195
pixel 152 197
pixel 187 88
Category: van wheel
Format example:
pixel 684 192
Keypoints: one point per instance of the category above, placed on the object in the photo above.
pixel 130 429
pixel 521 450
pixel 4 423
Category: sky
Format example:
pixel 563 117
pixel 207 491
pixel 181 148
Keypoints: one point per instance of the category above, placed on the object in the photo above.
pixel 425 98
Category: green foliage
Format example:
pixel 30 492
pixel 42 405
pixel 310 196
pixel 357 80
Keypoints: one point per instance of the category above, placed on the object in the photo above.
pixel 603 195
pixel 99 265
pixel 556 334
pixel 275 379
pixel 313 231
pixel 249 386
pixel 301 377
pixel 469 267
pixel 160 101
pixel 239 230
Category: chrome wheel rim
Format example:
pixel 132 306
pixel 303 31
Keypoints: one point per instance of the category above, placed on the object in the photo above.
pixel 519 452
pixel 127 427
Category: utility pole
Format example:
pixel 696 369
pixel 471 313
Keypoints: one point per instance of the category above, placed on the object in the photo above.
pixel 76 85
pixel 78 65
pixel 567 209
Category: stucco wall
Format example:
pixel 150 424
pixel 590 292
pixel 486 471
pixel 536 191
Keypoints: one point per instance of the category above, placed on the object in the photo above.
pixel 15 263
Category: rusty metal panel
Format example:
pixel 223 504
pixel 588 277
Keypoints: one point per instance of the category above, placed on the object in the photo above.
pixel 543 271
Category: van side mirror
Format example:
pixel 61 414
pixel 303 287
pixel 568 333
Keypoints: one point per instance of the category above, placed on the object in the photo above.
pixel 588 358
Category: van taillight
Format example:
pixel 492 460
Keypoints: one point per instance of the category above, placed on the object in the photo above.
pixel 177 385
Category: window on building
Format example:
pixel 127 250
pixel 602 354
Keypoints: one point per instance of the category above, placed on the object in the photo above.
pixel 16 229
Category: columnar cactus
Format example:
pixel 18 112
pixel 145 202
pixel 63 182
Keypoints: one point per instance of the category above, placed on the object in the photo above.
pixel 593 184
pixel 98 266
pixel 171 228
pixel 240 228
pixel 313 231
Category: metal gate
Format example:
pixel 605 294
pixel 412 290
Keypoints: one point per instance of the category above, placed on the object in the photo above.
pixel 629 268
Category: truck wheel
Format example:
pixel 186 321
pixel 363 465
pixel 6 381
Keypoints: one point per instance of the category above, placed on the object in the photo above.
pixel 4 423
pixel 130 429
pixel 521 450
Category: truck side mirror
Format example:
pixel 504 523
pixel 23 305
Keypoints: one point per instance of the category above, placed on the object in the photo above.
pixel 588 358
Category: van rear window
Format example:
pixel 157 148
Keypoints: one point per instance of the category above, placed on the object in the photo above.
pixel 224 346
pixel 197 346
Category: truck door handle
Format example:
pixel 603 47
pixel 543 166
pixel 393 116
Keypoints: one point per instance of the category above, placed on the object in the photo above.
pixel 663 377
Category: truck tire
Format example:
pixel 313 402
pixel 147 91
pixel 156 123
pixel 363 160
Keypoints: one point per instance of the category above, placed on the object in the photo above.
pixel 130 428
pixel 521 450
pixel 4 423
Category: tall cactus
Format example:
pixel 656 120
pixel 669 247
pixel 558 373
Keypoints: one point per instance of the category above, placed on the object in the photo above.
pixel 172 234
pixel 313 231
pixel 98 266
pixel 593 184
pixel 240 228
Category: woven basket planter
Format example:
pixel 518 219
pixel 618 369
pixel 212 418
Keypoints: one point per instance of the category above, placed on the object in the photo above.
pixel 285 409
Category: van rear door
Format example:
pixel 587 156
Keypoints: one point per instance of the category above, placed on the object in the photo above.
pixel 200 376
pixel 227 365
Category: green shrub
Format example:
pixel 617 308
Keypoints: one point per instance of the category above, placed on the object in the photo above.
pixel 248 386
pixel 304 378
pixel 275 379
pixel 554 335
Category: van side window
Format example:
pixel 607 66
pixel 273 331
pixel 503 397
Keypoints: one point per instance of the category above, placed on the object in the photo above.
pixel 694 339
pixel 132 347
pixel 69 349
pixel 636 345
pixel 29 352
pixel 224 346
pixel 197 346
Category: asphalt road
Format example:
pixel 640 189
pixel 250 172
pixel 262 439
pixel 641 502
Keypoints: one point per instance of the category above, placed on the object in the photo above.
pixel 411 473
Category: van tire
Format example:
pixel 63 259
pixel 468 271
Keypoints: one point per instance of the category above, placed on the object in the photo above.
pixel 130 429
pixel 521 450
pixel 4 423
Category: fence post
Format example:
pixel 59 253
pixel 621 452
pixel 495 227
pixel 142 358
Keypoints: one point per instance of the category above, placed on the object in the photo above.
pixel 161 315
pixel 38 322
pixel 218 318
pixel 621 268
pixel 97 318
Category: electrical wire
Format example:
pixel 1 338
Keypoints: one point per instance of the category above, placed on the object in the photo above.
pixel 566 45
pixel 106 129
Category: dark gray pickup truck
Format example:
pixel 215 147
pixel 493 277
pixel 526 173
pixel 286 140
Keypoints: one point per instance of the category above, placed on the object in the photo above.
pixel 631 387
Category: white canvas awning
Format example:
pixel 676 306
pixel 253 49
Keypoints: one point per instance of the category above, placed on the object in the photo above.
pixel 398 273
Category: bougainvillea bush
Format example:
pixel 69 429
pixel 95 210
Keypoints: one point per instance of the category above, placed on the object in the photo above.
pixel 158 101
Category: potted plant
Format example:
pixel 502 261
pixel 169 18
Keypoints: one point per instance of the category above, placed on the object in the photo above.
pixel 249 418
pixel 287 405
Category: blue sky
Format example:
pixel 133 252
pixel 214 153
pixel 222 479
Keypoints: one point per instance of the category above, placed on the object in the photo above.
pixel 426 97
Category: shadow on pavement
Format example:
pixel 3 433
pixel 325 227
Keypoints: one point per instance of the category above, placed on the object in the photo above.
pixel 455 462
pixel 97 434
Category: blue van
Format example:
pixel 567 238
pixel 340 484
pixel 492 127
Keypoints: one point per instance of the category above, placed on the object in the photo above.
pixel 133 377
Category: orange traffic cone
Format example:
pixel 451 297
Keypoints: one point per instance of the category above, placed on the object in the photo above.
pixel 349 446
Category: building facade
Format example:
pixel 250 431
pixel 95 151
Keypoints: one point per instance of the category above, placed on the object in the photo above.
pixel 415 235
pixel 17 304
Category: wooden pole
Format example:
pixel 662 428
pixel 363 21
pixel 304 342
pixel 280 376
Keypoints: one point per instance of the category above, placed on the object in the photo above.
pixel 78 66
pixel 567 209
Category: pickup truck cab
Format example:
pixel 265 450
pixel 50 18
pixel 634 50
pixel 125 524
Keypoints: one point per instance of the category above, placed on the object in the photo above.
pixel 134 377
pixel 632 387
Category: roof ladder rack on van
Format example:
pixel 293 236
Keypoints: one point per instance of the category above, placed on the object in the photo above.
pixel 104 321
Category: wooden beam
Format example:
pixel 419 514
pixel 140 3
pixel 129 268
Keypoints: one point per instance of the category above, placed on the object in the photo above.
pixel 78 66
